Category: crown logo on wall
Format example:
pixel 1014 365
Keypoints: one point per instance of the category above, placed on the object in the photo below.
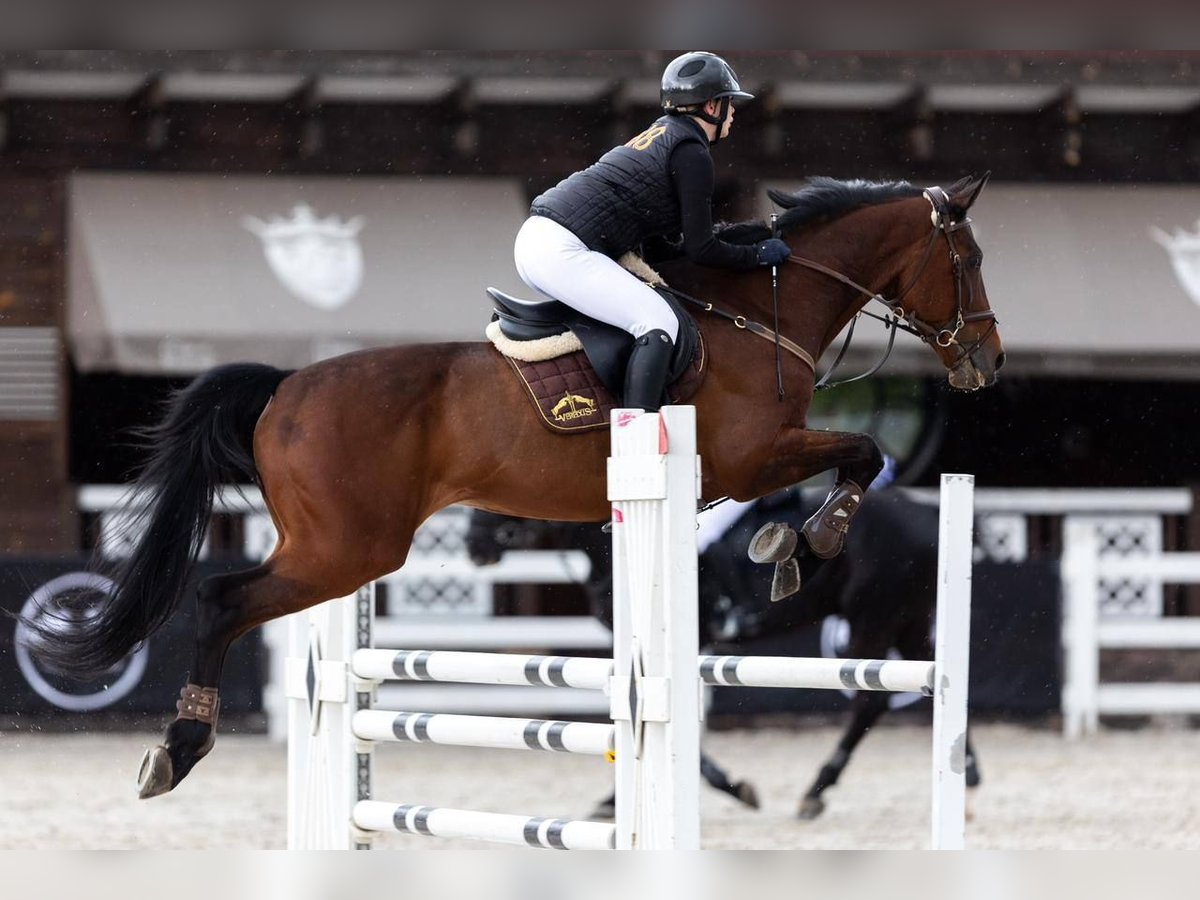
pixel 316 259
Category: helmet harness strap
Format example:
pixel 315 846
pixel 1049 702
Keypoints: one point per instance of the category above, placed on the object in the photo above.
pixel 718 119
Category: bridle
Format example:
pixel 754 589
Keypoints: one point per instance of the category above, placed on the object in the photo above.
pixel 898 317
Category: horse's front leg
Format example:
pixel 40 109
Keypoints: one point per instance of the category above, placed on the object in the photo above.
pixel 798 454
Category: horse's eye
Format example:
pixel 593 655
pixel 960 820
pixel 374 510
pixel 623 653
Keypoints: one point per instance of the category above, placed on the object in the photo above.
pixel 975 261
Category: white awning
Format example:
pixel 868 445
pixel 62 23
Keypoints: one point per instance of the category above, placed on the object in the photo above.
pixel 177 273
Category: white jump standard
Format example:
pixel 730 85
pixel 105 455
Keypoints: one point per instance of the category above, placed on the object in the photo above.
pixel 653 684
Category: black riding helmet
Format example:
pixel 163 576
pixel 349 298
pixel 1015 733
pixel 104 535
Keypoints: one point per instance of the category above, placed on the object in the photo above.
pixel 691 80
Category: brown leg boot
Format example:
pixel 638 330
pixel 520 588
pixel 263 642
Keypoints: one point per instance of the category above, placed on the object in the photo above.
pixel 826 528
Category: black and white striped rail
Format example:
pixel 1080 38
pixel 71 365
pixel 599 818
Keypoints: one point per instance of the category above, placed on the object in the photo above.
pixel 593 674
pixel 482 668
pixel 483 731
pixel 524 831
pixel 828 674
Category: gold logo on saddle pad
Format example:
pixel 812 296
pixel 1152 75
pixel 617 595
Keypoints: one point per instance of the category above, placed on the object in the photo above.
pixel 572 406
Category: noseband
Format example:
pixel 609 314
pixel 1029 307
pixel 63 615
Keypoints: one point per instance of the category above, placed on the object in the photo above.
pixel 947 334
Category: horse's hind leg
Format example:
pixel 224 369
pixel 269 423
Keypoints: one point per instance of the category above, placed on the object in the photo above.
pixel 867 707
pixel 227 607
pixel 742 791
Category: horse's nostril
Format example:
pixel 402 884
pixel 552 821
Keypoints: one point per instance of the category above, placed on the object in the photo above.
pixel 999 362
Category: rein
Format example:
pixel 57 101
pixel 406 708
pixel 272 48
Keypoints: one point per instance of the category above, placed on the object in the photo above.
pixel 755 328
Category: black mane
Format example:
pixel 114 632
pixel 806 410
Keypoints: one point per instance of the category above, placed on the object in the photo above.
pixel 821 200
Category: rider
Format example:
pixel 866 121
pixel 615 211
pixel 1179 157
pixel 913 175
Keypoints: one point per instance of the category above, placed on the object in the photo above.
pixel 658 184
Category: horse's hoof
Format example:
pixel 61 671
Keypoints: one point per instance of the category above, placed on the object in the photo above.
pixel 155 776
pixel 810 808
pixel 747 794
pixel 772 543
pixel 786 581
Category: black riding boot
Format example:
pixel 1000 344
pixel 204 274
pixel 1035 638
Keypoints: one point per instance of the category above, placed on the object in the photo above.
pixel 646 374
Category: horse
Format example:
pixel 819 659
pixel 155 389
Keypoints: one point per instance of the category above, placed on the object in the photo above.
pixel 353 453
pixel 883 585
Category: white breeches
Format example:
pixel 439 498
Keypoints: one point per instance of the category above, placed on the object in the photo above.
pixel 557 264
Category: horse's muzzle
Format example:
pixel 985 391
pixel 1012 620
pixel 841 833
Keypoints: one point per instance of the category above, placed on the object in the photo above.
pixel 973 374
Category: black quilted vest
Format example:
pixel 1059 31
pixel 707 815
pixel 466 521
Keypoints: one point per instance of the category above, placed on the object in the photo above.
pixel 626 196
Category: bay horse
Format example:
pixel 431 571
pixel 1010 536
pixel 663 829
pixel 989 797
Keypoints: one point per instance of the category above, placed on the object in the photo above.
pixel 353 453
pixel 883 586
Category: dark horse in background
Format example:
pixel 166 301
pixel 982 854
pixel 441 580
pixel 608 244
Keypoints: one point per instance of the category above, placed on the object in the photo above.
pixel 352 454
pixel 883 584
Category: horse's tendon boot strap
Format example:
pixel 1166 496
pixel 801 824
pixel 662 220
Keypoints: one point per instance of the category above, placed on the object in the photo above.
pixel 827 528
pixel 199 703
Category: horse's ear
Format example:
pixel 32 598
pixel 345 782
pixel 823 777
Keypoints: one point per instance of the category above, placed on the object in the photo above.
pixel 780 199
pixel 967 191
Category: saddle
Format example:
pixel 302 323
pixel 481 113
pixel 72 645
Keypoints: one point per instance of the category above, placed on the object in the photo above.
pixel 573 367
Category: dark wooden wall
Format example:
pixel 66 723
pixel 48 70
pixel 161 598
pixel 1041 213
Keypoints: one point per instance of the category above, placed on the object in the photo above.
pixel 36 503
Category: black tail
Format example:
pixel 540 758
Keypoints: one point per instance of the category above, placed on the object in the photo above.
pixel 205 438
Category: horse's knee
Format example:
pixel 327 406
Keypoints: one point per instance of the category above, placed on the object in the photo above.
pixel 874 456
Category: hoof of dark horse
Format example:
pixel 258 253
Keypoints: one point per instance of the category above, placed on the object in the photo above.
pixel 786 581
pixel 772 543
pixel 747 794
pixel 157 773
pixel 810 808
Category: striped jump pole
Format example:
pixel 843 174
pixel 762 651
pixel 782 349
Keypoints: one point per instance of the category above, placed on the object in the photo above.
pixel 483 731
pixel 899 675
pixel 593 674
pixel 483 668
pixel 525 831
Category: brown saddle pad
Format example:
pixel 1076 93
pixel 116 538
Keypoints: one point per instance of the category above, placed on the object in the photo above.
pixel 570 399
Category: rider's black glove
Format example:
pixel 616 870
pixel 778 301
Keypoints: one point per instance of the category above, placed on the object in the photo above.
pixel 772 252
